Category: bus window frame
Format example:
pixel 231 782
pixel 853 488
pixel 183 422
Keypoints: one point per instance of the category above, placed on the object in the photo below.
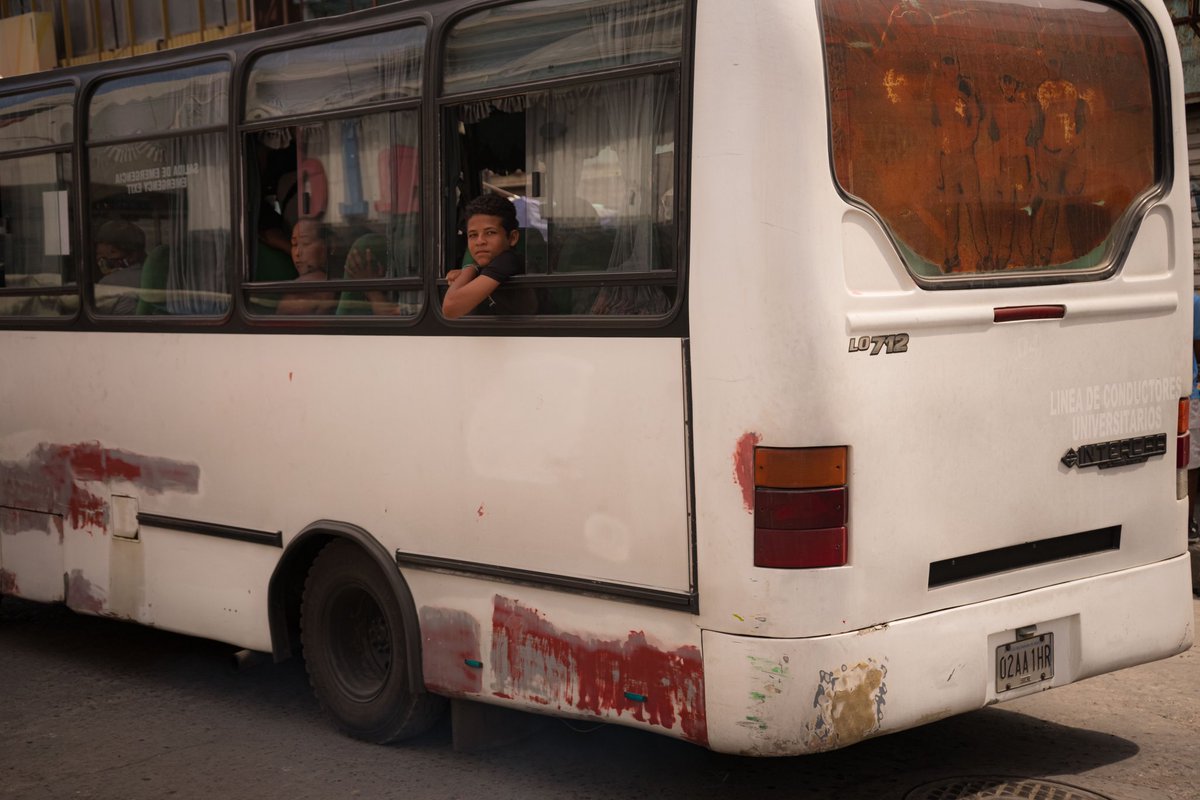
pixel 240 51
pixel 68 148
pixel 682 68
pixel 85 145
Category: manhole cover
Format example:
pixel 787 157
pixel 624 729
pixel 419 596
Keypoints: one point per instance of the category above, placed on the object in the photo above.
pixel 991 787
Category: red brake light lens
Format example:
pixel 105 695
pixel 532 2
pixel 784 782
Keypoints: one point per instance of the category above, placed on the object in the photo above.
pixel 785 509
pixel 800 549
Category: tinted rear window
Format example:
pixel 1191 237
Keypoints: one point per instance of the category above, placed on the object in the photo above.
pixel 994 140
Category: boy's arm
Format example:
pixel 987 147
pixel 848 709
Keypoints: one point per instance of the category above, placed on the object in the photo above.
pixel 468 290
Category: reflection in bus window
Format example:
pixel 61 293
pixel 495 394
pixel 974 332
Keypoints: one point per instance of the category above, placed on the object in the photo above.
pixel 36 119
pixel 381 67
pixel 590 167
pixel 35 242
pixel 551 39
pixel 992 154
pixel 35 205
pixel 174 187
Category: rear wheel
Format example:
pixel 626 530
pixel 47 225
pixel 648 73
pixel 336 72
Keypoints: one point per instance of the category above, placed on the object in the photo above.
pixel 353 635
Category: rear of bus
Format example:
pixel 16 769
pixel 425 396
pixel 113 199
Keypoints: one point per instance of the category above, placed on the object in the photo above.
pixel 940 292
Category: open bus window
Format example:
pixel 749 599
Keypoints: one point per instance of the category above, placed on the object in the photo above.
pixel 37 273
pixel 590 167
pixel 351 182
pixel 993 139
pixel 170 184
pixel 358 179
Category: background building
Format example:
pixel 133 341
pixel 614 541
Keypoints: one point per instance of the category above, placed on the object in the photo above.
pixel 42 34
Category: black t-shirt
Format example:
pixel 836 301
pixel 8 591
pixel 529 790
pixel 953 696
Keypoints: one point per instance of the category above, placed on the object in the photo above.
pixel 503 267
pixel 507 299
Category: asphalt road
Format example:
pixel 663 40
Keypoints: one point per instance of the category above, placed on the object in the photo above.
pixel 94 708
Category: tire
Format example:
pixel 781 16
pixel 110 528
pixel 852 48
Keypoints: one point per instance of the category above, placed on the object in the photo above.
pixel 352 631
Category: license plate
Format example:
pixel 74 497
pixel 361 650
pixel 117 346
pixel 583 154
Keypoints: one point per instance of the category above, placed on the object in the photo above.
pixel 1022 663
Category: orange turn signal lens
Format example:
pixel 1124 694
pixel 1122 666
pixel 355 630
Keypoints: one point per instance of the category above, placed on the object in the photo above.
pixel 1184 408
pixel 799 468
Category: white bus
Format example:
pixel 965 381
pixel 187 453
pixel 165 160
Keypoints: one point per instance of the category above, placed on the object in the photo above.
pixel 844 388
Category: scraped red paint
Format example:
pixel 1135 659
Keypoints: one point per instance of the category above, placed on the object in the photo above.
pixel 533 660
pixel 59 479
pixel 743 467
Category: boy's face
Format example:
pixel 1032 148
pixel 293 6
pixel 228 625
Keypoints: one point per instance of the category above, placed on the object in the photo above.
pixel 486 238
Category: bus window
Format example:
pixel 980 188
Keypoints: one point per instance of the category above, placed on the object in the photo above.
pixel 550 39
pixel 356 176
pixel 589 166
pixel 36 270
pixel 170 180
pixel 1014 155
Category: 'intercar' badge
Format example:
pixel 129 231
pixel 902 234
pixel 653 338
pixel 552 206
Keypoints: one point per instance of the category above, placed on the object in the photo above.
pixel 1116 453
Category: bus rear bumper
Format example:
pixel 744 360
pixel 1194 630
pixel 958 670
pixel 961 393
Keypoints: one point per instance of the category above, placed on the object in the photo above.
pixel 779 697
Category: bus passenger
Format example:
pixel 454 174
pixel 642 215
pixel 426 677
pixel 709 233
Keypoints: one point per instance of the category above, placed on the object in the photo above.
pixel 492 233
pixel 120 253
pixel 367 260
pixel 312 247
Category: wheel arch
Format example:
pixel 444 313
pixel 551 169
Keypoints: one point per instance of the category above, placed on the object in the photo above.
pixel 286 590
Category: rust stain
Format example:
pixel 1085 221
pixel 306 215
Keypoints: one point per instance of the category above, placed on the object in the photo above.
pixel 8 583
pixel 55 478
pixel 479 512
pixel 535 661
pixel 450 639
pixel 743 467
pixel 849 702
pixel 82 594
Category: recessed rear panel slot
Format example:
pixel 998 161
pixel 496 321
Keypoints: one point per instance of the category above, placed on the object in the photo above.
pixel 1043 551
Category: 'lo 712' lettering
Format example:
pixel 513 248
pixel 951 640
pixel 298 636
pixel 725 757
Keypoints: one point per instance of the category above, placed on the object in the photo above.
pixel 889 343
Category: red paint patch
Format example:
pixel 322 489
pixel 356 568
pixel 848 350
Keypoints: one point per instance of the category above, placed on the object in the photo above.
pixel 55 479
pixel 82 594
pixel 449 639
pixel 743 467
pixel 535 661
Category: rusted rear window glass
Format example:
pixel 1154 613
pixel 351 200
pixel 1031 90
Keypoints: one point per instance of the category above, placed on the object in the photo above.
pixel 992 139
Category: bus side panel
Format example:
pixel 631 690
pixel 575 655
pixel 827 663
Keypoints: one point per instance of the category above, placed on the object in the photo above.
pixel 559 456
pixel 31 555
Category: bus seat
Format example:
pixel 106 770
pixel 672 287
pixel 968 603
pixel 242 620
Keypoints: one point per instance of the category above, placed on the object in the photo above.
pixel 153 294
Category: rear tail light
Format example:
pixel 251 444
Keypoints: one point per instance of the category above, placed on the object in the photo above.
pixel 1183 446
pixel 800 507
